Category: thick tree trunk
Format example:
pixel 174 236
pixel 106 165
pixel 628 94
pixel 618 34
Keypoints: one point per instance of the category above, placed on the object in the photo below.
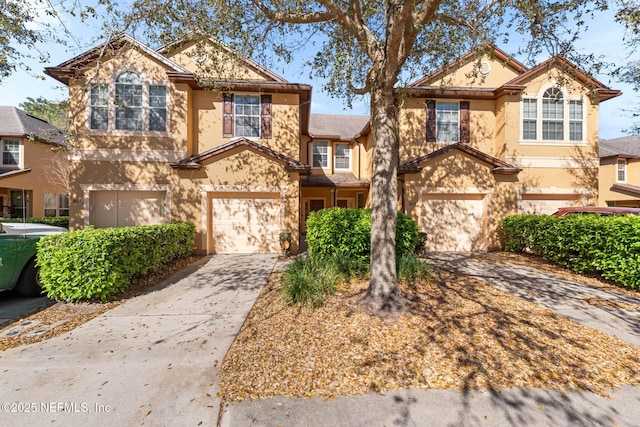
pixel 383 294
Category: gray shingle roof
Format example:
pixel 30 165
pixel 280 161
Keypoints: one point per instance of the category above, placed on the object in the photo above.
pixel 336 126
pixel 15 122
pixel 627 146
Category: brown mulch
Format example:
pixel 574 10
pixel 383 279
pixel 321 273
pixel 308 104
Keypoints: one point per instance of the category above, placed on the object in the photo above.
pixel 75 314
pixel 461 333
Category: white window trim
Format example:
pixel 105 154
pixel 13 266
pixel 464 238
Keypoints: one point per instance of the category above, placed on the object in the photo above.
pixel 111 85
pixel 566 97
pixel 348 168
pixel 20 164
pixel 624 162
pixel 329 156
pixel 235 116
pixel 436 118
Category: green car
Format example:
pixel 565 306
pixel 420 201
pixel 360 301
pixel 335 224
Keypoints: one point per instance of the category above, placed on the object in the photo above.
pixel 18 256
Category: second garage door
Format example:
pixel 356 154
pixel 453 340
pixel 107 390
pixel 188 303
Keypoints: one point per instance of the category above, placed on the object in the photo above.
pixel 127 208
pixel 246 224
pixel 453 222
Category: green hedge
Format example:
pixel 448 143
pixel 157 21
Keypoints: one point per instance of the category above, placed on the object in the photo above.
pixel 99 263
pixel 608 245
pixel 348 232
pixel 58 221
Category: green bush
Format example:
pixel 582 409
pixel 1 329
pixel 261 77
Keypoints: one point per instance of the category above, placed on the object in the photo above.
pixel 410 268
pixel 348 232
pixel 607 245
pixel 311 281
pixel 99 263
pixel 58 221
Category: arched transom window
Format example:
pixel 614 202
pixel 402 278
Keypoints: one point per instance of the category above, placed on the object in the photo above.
pixel 553 117
pixel 136 106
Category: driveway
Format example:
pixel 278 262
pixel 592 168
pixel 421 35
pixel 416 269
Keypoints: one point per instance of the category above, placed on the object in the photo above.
pixel 14 306
pixel 151 361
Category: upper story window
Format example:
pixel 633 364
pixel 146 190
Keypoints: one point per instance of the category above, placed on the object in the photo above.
pixel 137 106
pixel 621 170
pixel 11 150
pixel 342 157
pixel 320 154
pixel 553 117
pixel 447 122
pixel 247 116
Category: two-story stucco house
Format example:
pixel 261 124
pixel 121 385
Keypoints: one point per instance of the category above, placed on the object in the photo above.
pixel 239 154
pixel 32 166
pixel 620 172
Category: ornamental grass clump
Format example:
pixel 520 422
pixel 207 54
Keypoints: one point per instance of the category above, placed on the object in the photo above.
pixel 311 281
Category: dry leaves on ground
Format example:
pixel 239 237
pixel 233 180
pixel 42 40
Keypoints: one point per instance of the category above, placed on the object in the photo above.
pixel 461 333
pixel 75 314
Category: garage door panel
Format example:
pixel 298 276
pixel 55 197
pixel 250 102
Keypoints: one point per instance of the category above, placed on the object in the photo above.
pixel 127 208
pixel 246 225
pixel 546 204
pixel 453 222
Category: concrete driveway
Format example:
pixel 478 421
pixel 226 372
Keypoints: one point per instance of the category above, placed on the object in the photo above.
pixel 151 361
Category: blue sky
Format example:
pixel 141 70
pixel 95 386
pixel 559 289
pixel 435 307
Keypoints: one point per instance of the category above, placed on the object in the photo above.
pixel 604 39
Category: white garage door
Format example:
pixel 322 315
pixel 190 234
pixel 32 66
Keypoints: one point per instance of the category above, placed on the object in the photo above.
pixel 453 222
pixel 127 208
pixel 246 224
pixel 546 204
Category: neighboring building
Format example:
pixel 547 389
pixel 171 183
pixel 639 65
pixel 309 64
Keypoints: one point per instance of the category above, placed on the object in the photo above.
pixel 620 172
pixel 32 182
pixel 240 155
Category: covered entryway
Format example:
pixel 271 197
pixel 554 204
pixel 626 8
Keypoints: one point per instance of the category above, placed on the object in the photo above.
pixel 453 222
pixel 246 223
pixel 123 208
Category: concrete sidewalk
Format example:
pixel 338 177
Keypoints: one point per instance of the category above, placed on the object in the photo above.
pixel 151 361
pixel 507 407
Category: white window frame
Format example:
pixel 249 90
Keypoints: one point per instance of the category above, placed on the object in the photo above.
pixel 451 139
pixel 347 157
pixel 19 164
pixel 146 107
pixel 237 116
pixel 623 163
pixel 57 205
pixel 326 155
pixel 567 100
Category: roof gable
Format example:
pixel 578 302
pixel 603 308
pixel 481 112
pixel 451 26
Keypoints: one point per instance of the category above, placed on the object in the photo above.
pixel 64 71
pixel 497 166
pixel 196 162
pixel 468 63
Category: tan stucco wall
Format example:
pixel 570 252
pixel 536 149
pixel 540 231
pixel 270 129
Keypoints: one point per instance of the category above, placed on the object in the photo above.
pixel 240 170
pixel 467 75
pixel 42 161
pixel 608 174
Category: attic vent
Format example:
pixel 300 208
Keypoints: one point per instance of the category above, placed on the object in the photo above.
pixel 485 68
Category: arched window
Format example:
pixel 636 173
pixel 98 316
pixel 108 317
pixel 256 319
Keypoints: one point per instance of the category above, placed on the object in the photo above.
pixel 128 99
pixel 552 115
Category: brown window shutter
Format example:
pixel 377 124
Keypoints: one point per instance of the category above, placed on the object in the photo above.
pixel 265 116
pixel 431 121
pixel 465 128
pixel 227 115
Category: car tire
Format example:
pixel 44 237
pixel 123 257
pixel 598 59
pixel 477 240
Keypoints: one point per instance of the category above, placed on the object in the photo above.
pixel 29 283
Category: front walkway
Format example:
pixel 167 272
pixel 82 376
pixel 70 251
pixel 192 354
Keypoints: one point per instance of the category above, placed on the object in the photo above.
pixel 151 361
pixel 563 297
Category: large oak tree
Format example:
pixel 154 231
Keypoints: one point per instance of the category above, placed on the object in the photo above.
pixel 368 47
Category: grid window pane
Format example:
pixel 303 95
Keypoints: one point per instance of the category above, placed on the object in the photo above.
pixel 11 152
pixel 575 120
pixel 158 108
pixel 99 119
pixel 247 116
pixel 321 154
pixel 622 171
pixel 128 101
pixel 552 130
pixel 553 115
pixel 529 129
pixel 342 156
pixel 447 122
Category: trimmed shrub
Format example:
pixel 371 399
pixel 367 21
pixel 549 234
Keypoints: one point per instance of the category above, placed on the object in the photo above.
pixel 311 280
pixel 608 245
pixel 348 232
pixel 58 221
pixel 99 263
